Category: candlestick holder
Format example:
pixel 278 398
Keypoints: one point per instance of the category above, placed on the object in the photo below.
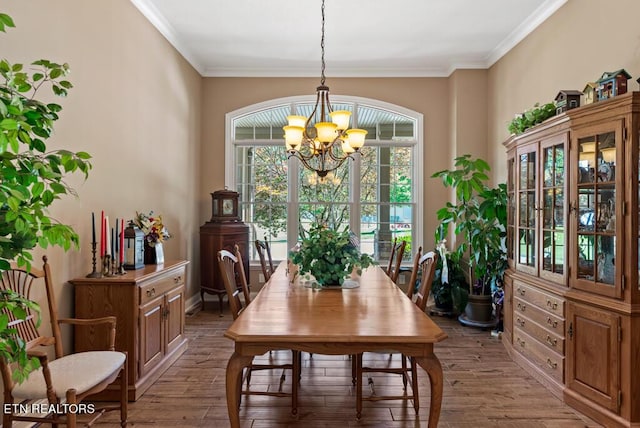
pixel 94 273
pixel 121 270
pixel 106 266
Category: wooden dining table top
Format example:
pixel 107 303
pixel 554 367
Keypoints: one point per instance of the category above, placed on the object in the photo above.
pixel 377 311
pixel 374 316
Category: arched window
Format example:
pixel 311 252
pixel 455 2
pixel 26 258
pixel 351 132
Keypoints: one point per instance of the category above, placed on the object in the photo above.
pixel 377 195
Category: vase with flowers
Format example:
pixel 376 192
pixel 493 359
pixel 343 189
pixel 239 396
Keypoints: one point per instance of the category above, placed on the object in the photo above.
pixel 155 233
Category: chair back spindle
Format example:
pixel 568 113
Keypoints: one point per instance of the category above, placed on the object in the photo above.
pixel 264 253
pixel 428 265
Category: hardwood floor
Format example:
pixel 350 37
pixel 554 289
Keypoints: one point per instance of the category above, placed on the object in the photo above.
pixel 483 388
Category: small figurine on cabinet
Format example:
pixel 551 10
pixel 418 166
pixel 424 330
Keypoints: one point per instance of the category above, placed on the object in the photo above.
pixel 612 83
pixel 567 99
pixel 589 92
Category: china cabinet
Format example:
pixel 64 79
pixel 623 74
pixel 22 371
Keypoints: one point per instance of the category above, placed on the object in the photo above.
pixel 572 289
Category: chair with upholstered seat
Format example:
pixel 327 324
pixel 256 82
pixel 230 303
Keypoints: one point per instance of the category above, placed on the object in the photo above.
pixel 426 264
pixel 395 259
pixel 65 381
pixel 232 270
pixel 264 254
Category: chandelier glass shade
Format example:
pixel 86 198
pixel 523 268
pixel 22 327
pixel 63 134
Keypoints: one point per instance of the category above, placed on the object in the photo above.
pixel 322 145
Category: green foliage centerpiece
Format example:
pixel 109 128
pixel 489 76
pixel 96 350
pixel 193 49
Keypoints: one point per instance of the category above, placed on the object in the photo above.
pixel 329 255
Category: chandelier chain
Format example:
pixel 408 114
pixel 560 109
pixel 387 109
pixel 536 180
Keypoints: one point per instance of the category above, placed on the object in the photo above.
pixel 322 78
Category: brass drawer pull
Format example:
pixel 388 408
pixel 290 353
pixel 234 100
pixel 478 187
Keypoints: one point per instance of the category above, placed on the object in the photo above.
pixel 551 364
pixel 522 306
pixel 551 305
pixel 520 321
pixel 151 292
pixel 520 342
pixel 521 291
pixel 552 323
pixel 552 341
pixel 177 280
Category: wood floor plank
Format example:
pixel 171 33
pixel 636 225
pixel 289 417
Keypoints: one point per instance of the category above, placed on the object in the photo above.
pixel 483 387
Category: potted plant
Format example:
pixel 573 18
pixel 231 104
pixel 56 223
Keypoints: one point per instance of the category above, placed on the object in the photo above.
pixel 32 179
pixel 479 217
pixel 329 256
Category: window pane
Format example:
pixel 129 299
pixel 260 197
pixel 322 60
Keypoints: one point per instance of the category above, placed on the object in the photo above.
pixel 385 125
pixel 261 177
pixel 264 124
pixel 386 186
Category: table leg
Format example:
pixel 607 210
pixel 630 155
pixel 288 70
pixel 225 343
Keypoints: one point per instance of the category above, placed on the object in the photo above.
pixel 432 366
pixel 234 384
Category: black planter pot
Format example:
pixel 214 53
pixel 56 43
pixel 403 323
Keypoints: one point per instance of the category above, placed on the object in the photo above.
pixel 479 312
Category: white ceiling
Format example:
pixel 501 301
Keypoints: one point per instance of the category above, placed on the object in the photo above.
pixel 364 38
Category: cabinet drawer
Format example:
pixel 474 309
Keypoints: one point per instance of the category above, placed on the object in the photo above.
pixel 544 358
pixel 548 320
pixel 544 335
pixel 161 285
pixel 546 301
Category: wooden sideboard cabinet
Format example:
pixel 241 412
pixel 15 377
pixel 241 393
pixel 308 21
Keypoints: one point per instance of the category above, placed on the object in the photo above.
pixel 149 306
pixel 573 244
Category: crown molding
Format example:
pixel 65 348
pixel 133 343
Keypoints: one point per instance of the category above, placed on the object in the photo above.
pixel 544 11
pixel 166 29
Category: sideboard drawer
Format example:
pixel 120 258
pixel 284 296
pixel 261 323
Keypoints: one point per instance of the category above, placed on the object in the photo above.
pixel 546 301
pixel 550 321
pixel 161 285
pixel 544 334
pixel 547 360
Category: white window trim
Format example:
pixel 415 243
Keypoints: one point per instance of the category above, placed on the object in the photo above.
pixel 418 153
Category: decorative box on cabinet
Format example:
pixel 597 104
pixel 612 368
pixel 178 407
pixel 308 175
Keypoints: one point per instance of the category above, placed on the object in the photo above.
pixel 148 304
pixel 573 238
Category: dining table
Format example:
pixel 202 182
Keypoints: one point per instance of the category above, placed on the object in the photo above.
pixel 370 314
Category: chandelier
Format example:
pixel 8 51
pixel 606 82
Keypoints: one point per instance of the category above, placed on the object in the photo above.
pixel 324 145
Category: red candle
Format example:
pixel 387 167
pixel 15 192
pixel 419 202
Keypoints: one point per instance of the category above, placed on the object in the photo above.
pixel 121 241
pixel 102 235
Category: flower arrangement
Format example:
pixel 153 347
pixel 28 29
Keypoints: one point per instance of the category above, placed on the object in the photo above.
pixel 152 227
pixel 329 255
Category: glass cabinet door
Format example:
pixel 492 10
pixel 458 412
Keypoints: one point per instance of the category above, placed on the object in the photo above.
pixel 527 210
pixel 553 209
pixel 595 211
pixel 511 208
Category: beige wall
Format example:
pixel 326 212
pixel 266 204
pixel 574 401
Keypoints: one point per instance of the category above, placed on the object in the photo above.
pixel 583 39
pixel 135 107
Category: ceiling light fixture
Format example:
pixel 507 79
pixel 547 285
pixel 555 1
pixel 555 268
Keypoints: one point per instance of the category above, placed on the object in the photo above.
pixel 322 146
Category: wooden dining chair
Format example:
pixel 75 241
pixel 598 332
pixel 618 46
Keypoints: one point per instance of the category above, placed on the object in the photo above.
pixel 408 370
pixel 395 259
pixel 264 254
pixel 232 270
pixel 65 381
